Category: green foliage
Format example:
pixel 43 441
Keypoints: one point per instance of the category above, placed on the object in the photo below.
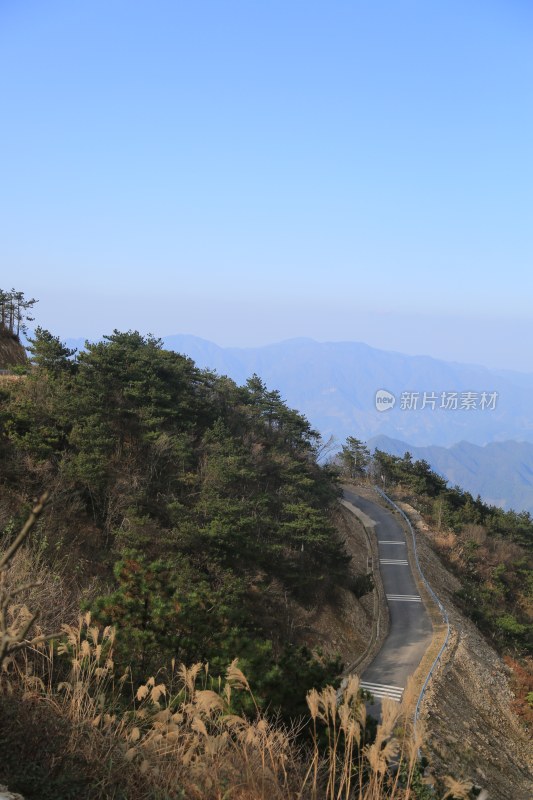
pixel 18 369
pixel 418 789
pixel 48 352
pixel 362 584
pixel 510 625
pixel 417 476
pixel 34 419
pixel 354 458
pixel 193 498
pixel 14 314
pixel 280 688
pixel 167 612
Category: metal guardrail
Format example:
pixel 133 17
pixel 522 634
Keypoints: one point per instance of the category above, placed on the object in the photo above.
pixel 433 595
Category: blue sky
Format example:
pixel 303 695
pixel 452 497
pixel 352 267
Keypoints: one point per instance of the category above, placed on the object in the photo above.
pixel 252 171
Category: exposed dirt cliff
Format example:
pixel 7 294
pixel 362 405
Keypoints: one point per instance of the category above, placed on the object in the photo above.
pixel 12 352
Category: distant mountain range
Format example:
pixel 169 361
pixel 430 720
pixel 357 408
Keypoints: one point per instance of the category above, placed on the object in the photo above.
pixel 335 383
pixel 501 472
pixel 487 451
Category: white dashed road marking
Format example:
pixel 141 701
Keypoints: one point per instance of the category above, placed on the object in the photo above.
pixel 382 542
pixel 400 561
pixel 382 690
pixel 405 598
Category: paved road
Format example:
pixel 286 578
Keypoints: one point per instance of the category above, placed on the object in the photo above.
pixel 410 627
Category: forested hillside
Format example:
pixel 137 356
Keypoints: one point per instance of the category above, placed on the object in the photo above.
pixel 500 472
pixel 197 505
pixel 191 518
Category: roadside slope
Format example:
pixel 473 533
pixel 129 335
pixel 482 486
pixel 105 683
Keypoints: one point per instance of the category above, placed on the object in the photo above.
pixel 472 731
pixel 345 625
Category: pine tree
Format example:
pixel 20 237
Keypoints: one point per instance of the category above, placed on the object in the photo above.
pixel 49 352
pixel 355 458
pixel 14 314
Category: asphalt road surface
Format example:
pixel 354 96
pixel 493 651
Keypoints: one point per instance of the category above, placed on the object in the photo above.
pixel 410 629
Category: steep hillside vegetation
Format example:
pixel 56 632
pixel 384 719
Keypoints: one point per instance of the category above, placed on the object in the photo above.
pixel 197 504
pixel 192 519
pixel 192 515
pixel 500 472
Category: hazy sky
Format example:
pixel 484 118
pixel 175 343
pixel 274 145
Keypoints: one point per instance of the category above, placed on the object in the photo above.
pixel 256 170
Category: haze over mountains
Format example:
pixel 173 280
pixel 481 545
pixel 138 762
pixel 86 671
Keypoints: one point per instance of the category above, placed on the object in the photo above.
pixel 335 383
pixel 488 451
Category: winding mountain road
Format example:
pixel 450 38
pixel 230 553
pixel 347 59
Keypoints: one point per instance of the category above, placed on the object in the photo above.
pixel 410 629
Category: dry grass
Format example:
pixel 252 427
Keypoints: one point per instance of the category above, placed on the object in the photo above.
pixel 174 739
pixel 177 736
pixel 37 586
pixel 180 738
pixel 351 769
pixel 16 620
